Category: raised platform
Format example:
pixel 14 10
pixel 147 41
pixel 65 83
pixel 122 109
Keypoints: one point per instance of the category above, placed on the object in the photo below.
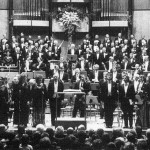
pixel 91 123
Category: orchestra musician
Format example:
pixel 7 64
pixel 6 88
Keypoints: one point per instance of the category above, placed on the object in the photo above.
pixel 80 98
pixel 126 98
pixel 55 86
pixel 109 96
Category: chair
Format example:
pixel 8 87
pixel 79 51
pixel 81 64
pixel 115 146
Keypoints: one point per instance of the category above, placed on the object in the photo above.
pixel 84 73
pixel 90 101
pixel 35 73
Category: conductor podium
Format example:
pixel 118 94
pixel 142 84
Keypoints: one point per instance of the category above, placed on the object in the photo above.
pixel 69 121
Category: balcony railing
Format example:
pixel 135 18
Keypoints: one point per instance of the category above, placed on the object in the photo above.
pixel 110 10
pixel 31 10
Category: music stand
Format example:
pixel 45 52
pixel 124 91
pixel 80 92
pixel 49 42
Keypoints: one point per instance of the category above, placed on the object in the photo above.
pixel 92 100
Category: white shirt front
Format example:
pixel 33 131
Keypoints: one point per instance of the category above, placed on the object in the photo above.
pixel 146 66
pixel 82 64
pixel 109 89
pixel 96 75
pixel 61 75
pixel 136 84
pixel 114 76
pixel 110 65
pixel 97 56
pixel 55 87
pixel 126 88
pixel 72 51
pixel 73 72
pixel 125 65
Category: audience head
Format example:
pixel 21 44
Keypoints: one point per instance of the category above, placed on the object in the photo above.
pixel 45 143
pixel 111 146
pixel 70 130
pixel 51 132
pixel 59 132
pixel 97 144
pixel 100 132
pixel 142 144
pixel 81 127
pixel 25 140
pixel 40 128
pixel 117 132
pixel 129 146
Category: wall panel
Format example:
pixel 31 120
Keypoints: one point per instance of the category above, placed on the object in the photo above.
pixel 141 4
pixel 4 25
pixel 4 4
pixel 141 24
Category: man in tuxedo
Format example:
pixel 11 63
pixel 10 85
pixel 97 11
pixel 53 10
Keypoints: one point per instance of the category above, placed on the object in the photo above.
pixel 146 64
pixel 76 77
pixel 119 38
pixel 80 98
pixel 126 97
pixel 55 86
pixel 125 64
pixel 63 76
pixel 95 75
pixel 109 96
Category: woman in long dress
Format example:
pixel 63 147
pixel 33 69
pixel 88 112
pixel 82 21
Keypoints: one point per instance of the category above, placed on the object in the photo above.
pixel 4 109
pixel 39 95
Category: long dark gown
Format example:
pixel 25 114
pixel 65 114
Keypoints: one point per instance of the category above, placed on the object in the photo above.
pixel 39 96
pixel 24 95
pixel 21 96
pixel 4 105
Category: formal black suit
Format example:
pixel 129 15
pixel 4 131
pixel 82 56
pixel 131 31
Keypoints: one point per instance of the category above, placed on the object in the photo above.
pixel 80 99
pixel 52 99
pixel 64 77
pixel 92 75
pixel 110 101
pixel 127 67
pixel 125 104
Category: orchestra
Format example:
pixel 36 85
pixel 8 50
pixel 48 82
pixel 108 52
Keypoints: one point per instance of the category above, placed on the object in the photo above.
pixel 119 67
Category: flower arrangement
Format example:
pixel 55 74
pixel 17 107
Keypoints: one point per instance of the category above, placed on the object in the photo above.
pixel 69 18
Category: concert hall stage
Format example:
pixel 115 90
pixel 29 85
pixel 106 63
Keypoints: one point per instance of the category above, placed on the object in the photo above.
pixel 91 123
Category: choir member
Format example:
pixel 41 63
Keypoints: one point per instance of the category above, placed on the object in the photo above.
pixel 55 86
pixel 95 75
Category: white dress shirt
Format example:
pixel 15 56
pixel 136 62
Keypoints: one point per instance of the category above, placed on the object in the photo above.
pixel 82 64
pixel 114 76
pixel 96 75
pixel 126 88
pixel 109 89
pixel 72 51
pixel 61 75
pixel 125 65
pixel 136 84
pixel 55 87
pixel 110 65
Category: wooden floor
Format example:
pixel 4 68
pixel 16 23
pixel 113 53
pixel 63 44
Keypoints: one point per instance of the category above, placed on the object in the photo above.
pixel 91 122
